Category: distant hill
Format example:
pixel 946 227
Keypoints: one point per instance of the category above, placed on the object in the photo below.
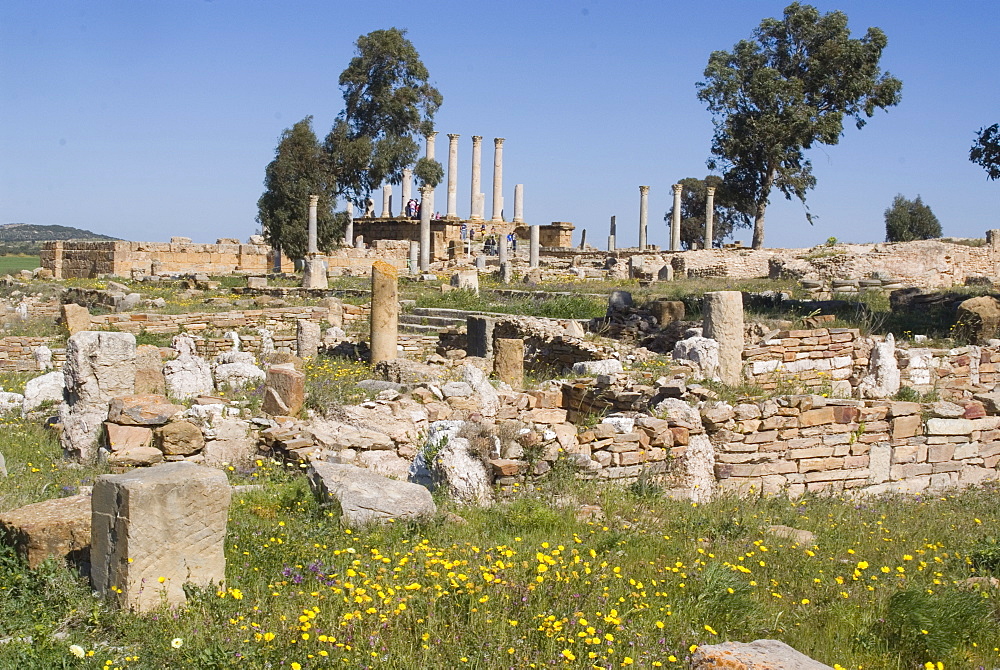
pixel 31 232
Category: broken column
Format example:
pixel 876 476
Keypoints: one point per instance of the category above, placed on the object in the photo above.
pixel 156 529
pixel 452 212
pixel 315 270
pixel 723 322
pixel 643 215
pixel 518 203
pixel 497 179
pixel 349 229
pixel 508 362
pixel 307 338
pixel 709 216
pixel 384 312
pixel 312 237
pixel 430 137
pixel 480 336
pixel 407 189
pixel 386 201
pixel 675 222
pixel 414 257
pixel 475 207
pixel 426 203
pixel 466 280
pixel 533 246
pixel 611 235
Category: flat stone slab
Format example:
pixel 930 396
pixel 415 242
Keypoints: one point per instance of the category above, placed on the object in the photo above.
pixel 756 655
pixel 58 528
pixel 366 497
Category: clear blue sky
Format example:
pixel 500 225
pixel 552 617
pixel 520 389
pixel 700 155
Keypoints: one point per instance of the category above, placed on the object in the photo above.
pixel 150 119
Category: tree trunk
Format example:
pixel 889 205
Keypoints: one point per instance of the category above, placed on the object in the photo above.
pixel 758 219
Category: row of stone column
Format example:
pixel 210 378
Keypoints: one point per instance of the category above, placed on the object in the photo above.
pixel 477 205
pixel 675 223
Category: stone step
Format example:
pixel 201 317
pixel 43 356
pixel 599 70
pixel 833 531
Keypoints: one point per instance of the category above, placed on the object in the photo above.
pixel 438 321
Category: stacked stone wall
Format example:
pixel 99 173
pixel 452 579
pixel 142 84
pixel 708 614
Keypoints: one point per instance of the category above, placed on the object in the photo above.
pixel 806 359
pixel 278 320
pixel 17 354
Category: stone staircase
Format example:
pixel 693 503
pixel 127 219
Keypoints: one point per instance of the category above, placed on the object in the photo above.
pixel 431 320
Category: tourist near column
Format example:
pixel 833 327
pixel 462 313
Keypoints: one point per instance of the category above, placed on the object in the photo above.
pixel 643 215
pixel 349 228
pixel 452 212
pixel 384 313
pixel 519 203
pixel 475 210
pixel 709 216
pixel 426 203
pixel 675 224
pixel 497 178
pixel 386 201
pixel 407 190
pixel 533 246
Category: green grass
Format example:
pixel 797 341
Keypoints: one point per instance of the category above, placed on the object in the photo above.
pixel 14 264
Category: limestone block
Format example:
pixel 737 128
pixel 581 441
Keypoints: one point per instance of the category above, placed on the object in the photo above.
pixel 307 338
pixel 156 529
pixel 906 426
pixel 366 497
pixel 179 438
pixel 58 528
pixel 762 654
pixel 46 388
pixel 136 456
pixel 76 318
pixel 608 366
pixel 142 410
pixel 120 438
pixel 188 376
pixel 284 391
pixel 723 322
pixel 508 362
pixel 467 280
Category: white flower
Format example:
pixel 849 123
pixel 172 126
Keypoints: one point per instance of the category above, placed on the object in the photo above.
pixel 77 650
pixel 176 643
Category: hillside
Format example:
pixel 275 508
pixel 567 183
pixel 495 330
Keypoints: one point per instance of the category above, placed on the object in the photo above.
pixel 30 232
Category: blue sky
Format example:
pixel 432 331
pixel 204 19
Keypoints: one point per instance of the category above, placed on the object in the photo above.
pixel 149 119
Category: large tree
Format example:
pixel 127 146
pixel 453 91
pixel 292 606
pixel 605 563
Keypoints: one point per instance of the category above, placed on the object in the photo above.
pixel 297 171
pixel 985 150
pixel 784 90
pixel 694 200
pixel 389 106
pixel 909 220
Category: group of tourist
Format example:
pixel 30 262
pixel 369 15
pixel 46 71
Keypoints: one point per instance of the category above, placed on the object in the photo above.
pixel 412 209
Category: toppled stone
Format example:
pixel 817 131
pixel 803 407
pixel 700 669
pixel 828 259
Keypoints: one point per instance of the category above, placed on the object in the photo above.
pixel 756 655
pixel 179 438
pixel 121 438
pixel 42 389
pixel 188 375
pixel 142 410
pixel 702 352
pixel 10 402
pixel 284 391
pixel 366 497
pixel 803 537
pixel 462 473
pixel 75 317
pixel 136 456
pixel 609 366
pixel 58 528
pixel 489 399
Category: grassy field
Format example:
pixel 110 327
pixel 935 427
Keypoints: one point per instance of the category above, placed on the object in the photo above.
pixel 12 264
pixel 524 583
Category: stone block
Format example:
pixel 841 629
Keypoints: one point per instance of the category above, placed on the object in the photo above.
pixel 119 438
pixel 906 426
pixel 508 362
pixel 156 529
pixel 937 453
pixel 547 416
pixel 142 410
pixel 58 528
pixel 179 438
pixel 366 498
pixel 951 426
pixel 76 318
pixel 284 391
pixel 817 417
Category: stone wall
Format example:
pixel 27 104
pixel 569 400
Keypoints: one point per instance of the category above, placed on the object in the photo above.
pixel 951 373
pixel 807 359
pixel 443 232
pixel 352 261
pixel 277 320
pixel 17 353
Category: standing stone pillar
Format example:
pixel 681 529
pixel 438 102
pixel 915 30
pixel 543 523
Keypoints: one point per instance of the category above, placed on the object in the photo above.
pixel 675 223
pixel 709 216
pixel 426 203
pixel 502 250
pixel 613 230
pixel 313 246
pixel 349 229
pixel 384 320
pixel 386 201
pixel 359 242
pixel 475 211
pixel 583 239
pixel 723 322
pixel 533 246
pixel 508 362
pixel 156 529
pixel 307 338
pixel 643 215
pixel 497 178
pixel 430 144
pixel 407 190
pixel 519 203
pixel 276 258
pixel 452 212
pixel 414 257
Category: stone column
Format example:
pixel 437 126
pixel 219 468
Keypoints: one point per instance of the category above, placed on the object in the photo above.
pixel 430 144
pixel 313 247
pixel 414 258
pixel 723 322
pixel 452 212
pixel 502 249
pixel 497 178
pixel 426 203
pixel 643 215
pixel 675 224
pixel 709 216
pixel 583 239
pixel 475 212
pixel 519 203
pixel 359 242
pixel 407 190
pixel 508 362
pixel 384 320
pixel 533 246
pixel 349 229
pixel 386 201
pixel 613 230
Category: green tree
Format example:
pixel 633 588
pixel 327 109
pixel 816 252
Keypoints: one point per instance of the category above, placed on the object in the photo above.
pixel 298 171
pixel 985 150
pixel 389 105
pixel 785 90
pixel 694 200
pixel 909 220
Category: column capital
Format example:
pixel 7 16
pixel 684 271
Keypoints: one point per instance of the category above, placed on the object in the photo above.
pixel 313 200
pixel 498 141
pixel 710 190
pixel 644 190
pixel 678 188
pixel 431 134
pixel 407 172
pixel 453 137
pixel 477 139
pixel 426 190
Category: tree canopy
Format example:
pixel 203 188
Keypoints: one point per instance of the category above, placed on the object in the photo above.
pixel 985 150
pixel 389 105
pixel 297 171
pixel 694 199
pixel 790 87
pixel 909 220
